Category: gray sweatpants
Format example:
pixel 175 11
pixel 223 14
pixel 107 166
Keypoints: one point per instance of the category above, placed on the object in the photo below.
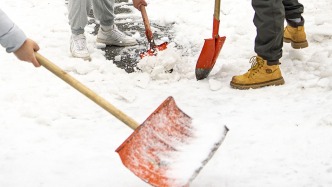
pixel 269 21
pixel 103 11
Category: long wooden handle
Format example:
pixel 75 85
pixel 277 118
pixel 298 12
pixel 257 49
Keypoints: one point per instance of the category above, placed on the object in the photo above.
pixel 86 91
pixel 148 32
pixel 216 9
pixel 145 18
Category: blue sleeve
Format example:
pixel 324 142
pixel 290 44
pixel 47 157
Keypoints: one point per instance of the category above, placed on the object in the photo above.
pixel 11 36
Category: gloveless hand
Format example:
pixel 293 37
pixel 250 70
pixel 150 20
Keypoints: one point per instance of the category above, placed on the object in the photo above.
pixel 27 52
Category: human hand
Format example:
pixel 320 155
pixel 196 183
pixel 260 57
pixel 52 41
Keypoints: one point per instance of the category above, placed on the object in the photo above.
pixel 138 3
pixel 27 52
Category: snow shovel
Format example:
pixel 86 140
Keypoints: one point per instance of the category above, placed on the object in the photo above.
pixel 153 50
pixel 151 149
pixel 211 47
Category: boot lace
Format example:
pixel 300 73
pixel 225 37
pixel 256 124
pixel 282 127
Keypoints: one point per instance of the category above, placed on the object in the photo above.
pixel 256 64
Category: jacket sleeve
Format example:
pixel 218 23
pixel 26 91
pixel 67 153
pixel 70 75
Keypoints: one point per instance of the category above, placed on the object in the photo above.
pixel 11 36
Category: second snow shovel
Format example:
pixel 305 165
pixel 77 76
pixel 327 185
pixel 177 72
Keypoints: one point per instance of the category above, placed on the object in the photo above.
pixel 211 47
pixel 153 48
pixel 151 149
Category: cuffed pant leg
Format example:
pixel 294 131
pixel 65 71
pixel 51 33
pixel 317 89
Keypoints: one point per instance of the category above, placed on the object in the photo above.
pixel 269 21
pixel 293 9
pixel 78 10
pixel 104 11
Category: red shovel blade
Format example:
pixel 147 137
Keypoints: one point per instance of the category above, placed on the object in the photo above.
pixel 208 56
pixel 148 151
pixel 153 51
pixel 210 52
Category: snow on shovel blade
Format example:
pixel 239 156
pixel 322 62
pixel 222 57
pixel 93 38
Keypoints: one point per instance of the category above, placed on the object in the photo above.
pixel 154 50
pixel 153 149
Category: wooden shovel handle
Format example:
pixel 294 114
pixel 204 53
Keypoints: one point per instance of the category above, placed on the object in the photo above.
pixel 216 9
pixel 145 18
pixel 148 32
pixel 86 91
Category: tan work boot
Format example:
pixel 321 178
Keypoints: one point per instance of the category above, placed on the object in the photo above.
pixel 294 33
pixel 259 75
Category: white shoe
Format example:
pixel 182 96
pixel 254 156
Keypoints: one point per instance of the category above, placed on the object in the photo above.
pixel 115 37
pixel 78 47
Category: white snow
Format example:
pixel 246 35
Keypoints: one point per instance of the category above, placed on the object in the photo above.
pixel 51 135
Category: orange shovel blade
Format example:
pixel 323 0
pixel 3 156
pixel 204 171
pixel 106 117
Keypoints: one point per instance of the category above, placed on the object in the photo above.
pixel 154 51
pixel 208 56
pixel 149 149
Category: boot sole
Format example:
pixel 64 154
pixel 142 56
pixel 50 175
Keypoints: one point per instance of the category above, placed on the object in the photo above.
pixel 296 45
pixel 275 82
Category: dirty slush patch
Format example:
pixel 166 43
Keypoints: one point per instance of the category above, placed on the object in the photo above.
pixel 127 57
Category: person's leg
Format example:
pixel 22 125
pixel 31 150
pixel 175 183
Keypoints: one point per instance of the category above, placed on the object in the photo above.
pixel 108 32
pixel 104 11
pixel 78 10
pixel 294 31
pixel 269 21
pixel 78 20
pixel 293 9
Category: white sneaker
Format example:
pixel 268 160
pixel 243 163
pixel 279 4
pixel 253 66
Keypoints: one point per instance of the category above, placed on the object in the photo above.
pixel 115 37
pixel 78 47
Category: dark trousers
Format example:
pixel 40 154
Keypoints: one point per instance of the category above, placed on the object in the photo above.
pixel 269 21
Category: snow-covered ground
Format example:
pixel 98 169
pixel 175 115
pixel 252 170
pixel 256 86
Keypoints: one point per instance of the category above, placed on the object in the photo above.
pixel 51 135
